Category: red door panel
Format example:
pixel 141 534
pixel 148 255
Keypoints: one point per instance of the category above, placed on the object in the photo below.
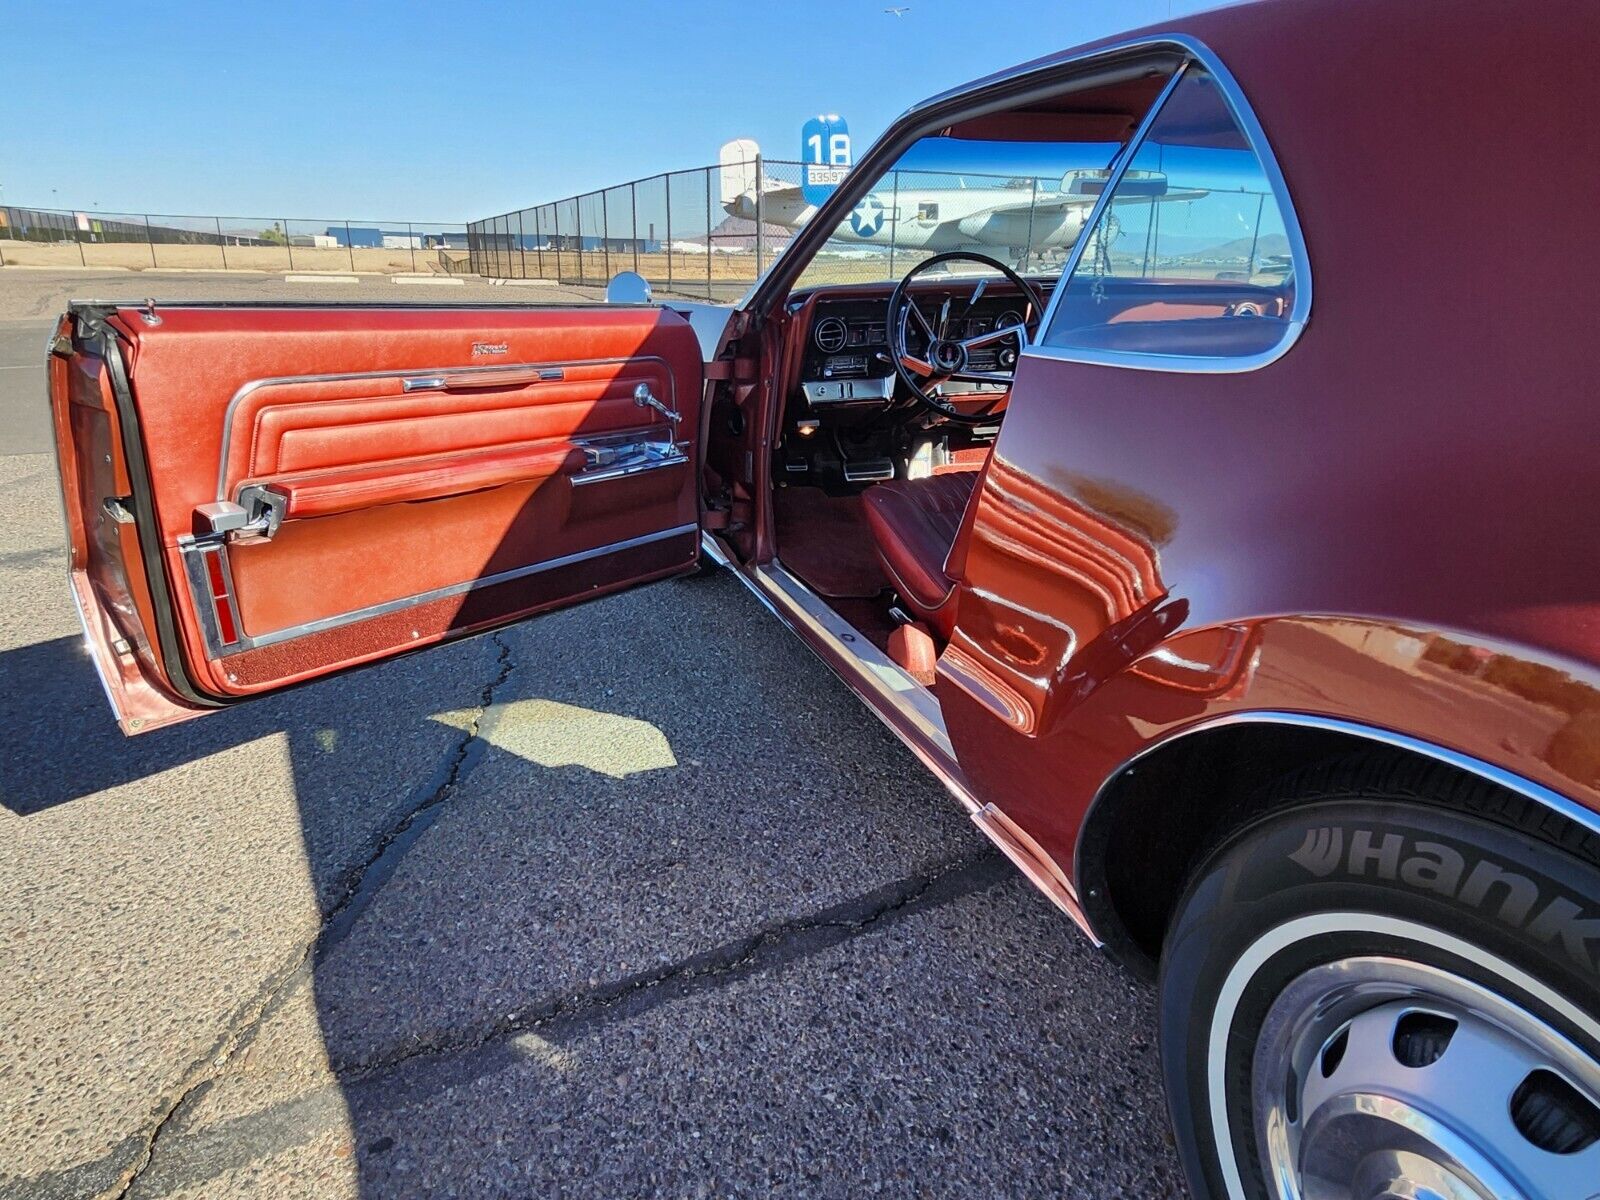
pixel 308 488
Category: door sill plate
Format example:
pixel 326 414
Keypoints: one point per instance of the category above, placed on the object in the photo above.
pixel 907 707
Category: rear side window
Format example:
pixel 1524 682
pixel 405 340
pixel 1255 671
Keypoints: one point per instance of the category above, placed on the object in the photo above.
pixel 1192 264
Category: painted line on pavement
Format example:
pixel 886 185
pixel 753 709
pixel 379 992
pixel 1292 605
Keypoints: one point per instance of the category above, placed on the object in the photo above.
pixel 204 271
pixel 434 280
pixel 37 267
pixel 320 279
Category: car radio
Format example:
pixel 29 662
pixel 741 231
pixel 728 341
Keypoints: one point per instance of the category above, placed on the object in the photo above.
pixel 844 366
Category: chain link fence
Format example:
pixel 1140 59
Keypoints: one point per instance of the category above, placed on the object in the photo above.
pixel 688 232
pixel 48 237
pixel 710 232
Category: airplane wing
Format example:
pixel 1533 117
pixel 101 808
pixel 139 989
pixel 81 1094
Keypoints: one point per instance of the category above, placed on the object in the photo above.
pixel 1014 219
pixel 1058 201
pixel 1023 202
pixel 775 194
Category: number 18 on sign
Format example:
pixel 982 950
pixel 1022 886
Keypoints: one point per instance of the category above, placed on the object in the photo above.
pixel 825 153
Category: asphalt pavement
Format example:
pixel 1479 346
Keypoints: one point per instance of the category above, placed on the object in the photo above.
pixel 635 899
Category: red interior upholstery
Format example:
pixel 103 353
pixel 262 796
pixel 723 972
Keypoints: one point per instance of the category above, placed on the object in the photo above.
pixel 394 496
pixel 917 523
pixel 323 493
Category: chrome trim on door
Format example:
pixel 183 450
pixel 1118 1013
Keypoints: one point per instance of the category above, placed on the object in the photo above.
pixel 196 551
pixel 199 585
pixel 631 460
pixel 548 371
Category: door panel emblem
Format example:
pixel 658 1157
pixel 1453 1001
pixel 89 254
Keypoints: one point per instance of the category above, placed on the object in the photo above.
pixel 481 348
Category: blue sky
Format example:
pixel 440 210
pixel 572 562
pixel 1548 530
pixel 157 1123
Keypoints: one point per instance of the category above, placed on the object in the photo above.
pixel 432 111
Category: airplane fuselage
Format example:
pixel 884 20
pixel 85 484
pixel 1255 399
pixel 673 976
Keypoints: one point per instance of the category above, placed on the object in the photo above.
pixel 929 219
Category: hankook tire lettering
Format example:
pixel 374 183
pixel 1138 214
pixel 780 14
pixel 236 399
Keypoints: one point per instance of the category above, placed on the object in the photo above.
pixel 1436 867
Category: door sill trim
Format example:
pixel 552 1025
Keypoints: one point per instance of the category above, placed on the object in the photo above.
pixel 908 708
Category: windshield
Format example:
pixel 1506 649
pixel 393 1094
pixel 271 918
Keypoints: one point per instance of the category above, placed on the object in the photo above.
pixel 1023 203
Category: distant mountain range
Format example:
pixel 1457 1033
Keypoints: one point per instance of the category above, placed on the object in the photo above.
pixel 1268 244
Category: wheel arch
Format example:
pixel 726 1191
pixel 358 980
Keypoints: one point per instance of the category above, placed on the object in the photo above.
pixel 1138 846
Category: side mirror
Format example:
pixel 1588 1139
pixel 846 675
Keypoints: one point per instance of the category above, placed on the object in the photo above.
pixel 628 287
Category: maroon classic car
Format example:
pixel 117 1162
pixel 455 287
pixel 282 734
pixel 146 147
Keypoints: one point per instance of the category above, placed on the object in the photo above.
pixel 1259 628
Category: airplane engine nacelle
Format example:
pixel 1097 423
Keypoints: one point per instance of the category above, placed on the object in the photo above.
pixel 1061 230
pixel 998 229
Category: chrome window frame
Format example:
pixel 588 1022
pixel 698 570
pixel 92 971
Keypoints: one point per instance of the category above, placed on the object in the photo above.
pixel 1299 313
pixel 994 93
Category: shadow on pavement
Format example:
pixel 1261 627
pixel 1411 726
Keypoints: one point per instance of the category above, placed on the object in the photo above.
pixel 595 979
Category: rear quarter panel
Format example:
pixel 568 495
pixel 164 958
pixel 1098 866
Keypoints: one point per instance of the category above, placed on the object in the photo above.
pixel 1394 522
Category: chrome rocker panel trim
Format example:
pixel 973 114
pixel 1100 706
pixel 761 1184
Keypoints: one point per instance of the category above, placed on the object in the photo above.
pixel 909 709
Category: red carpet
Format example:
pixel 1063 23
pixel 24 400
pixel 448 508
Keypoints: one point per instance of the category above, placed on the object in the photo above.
pixel 824 540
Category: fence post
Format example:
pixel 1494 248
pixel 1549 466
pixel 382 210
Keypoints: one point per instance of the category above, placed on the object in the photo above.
pixel 287 244
pixel 633 206
pixel 350 244
pixel 150 238
pixel 222 244
pixel 1255 239
pixel 411 245
pixel 1033 202
pixel 894 225
pixel 605 232
pixel 538 241
pixel 708 232
pixel 522 246
pixel 667 182
pixel 577 210
pixel 555 215
pixel 761 218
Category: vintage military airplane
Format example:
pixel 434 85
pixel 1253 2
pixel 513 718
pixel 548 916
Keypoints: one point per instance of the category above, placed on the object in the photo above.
pixel 1019 214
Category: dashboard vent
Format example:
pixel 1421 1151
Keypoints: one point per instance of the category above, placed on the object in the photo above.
pixel 830 335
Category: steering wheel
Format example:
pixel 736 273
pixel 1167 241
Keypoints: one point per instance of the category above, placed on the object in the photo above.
pixel 945 358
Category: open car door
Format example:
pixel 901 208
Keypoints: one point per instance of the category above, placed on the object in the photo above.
pixel 258 495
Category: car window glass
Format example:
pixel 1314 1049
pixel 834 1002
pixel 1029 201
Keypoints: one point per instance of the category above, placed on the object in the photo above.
pixel 1191 257
pixel 1022 203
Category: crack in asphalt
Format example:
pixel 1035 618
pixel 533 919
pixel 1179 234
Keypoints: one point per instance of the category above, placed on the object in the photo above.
pixel 362 883
pixel 367 880
pixel 195 1156
pixel 768 947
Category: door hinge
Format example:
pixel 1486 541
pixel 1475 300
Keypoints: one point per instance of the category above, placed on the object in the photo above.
pixel 738 370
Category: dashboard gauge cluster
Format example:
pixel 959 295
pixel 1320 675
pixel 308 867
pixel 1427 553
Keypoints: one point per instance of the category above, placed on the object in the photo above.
pixel 846 358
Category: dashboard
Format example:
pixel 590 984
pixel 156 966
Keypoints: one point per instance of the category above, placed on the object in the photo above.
pixel 845 361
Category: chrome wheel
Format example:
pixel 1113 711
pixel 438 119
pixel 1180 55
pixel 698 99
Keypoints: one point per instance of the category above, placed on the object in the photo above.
pixel 1381 1078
